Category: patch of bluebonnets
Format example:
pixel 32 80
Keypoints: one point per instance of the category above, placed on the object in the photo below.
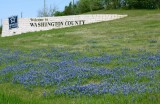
pixel 73 73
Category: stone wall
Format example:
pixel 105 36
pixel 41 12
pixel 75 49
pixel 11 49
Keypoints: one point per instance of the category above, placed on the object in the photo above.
pixel 47 23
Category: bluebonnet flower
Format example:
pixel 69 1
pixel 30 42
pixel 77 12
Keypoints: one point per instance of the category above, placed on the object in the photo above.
pixel 77 74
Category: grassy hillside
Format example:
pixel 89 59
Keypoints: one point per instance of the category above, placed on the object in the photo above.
pixel 140 30
pixel 115 62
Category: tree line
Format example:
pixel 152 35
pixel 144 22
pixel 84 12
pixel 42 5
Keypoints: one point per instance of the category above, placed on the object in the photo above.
pixel 82 6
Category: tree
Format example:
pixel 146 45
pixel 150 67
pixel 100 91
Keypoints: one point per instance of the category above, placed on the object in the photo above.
pixel 143 4
pixel 68 9
pixel 113 4
pixel 48 12
pixel 58 13
pixel 157 4
pixel 83 6
pixel 135 4
pixel 89 5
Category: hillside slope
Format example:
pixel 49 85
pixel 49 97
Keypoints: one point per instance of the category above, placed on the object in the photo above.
pixel 80 65
pixel 140 30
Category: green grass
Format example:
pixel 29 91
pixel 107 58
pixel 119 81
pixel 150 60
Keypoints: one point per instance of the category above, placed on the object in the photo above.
pixel 139 31
pixel 134 32
pixel 16 95
pixel 12 95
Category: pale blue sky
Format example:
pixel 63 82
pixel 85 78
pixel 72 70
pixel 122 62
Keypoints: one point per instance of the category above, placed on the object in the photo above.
pixel 29 8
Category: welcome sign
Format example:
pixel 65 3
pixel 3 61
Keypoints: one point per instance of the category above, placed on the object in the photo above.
pixel 46 23
pixel 15 25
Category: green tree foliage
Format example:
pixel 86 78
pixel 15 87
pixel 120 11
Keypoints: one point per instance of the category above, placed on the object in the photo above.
pixel 143 4
pixel 131 4
pixel 68 9
pixel 112 4
pixel 83 6
pixel 89 5
pixel 157 4
pixel 58 13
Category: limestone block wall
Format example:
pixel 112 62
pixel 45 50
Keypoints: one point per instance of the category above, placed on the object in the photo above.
pixel 46 23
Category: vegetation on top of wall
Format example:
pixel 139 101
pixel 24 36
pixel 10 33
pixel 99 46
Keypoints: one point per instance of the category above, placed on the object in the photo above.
pixel 83 6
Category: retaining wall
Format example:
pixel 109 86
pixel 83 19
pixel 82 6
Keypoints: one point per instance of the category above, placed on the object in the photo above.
pixel 47 23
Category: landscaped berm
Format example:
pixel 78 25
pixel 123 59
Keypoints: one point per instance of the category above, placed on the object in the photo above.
pixel 114 62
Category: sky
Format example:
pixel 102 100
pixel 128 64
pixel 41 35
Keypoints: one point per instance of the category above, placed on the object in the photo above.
pixel 28 8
